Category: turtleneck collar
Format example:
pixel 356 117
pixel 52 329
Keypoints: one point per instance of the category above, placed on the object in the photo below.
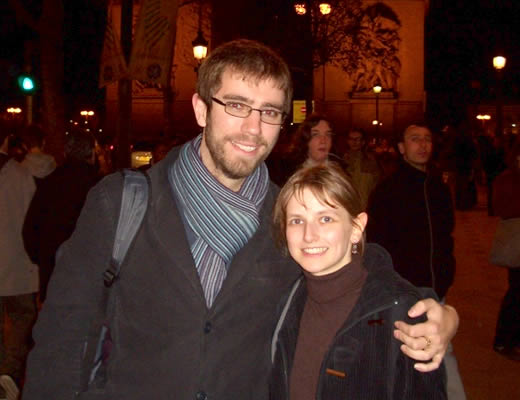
pixel 346 280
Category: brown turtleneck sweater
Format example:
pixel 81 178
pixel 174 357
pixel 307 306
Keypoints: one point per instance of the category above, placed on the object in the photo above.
pixel 330 300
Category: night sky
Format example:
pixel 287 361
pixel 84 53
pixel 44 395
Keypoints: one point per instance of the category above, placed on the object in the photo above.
pixel 462 36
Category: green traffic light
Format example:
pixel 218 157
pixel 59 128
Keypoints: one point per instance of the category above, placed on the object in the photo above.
pixel 27 83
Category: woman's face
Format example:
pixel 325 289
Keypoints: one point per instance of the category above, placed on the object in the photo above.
pixel 320 237
pixel 320 142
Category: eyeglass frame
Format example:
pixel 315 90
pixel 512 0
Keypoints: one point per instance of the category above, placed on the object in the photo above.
pixel 251 109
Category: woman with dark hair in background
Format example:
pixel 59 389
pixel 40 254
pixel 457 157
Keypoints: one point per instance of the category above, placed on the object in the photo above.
pixel 312 145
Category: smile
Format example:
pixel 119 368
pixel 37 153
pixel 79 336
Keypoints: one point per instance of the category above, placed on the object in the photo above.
pixel 243 147
pixel 315 250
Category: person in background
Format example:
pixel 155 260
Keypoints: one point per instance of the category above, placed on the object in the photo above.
pixel 411 216
pixel 37 162
pixel 57 203
pixel 506 201
pixel 334 339
pixel 361 166
pixel 312 144
pixel 18 275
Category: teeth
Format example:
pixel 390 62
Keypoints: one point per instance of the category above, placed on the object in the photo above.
pixel 314 250
pixel 244 147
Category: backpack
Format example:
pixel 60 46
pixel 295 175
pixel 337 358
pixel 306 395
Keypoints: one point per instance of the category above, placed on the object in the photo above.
pixel 134 205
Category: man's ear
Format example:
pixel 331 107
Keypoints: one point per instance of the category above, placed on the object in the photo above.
pixel 400 146
pixel 201 110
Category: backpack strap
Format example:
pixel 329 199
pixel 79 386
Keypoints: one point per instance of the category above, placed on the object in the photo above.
pixel 134 205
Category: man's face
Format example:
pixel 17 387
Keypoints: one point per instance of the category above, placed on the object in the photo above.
pixel 233 147
pixel 355 141
pixel 320 141
pixel 417 147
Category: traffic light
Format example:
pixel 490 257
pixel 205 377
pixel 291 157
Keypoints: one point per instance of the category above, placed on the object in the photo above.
pixel 27 84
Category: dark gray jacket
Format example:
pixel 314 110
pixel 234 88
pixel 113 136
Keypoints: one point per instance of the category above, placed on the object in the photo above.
pixel 167 344
pixel 364 360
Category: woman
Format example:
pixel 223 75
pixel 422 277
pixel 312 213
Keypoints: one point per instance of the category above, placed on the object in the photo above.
pixel 312 145
pixel 506 205
pixel 334 339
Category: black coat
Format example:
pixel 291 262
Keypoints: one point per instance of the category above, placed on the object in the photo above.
pixel 410 214
pixel 166 343
pixel 364 351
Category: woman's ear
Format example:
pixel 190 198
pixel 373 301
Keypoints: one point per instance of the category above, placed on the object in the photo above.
pixel 200 108
pixel 360 222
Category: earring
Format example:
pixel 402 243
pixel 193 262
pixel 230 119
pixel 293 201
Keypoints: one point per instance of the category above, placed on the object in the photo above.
pixel 355 248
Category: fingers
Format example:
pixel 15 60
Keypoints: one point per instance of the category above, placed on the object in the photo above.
pixel 431 366
pixel 422 306
pixel 429 329
pixel 427 345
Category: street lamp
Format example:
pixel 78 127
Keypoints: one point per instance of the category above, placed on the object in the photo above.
pixel 325 8
pixel 499 62
pixel 377 90
pixel 301 8
pixel 14 110
pixel 200 44
pixel 86 114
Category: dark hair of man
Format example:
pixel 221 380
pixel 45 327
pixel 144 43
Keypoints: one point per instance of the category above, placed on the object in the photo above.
pixel 249 58
pixel 303 134
pixel 328 183
pixel 33 136
pixel 79 146
pixel 357 130
pixel 401 136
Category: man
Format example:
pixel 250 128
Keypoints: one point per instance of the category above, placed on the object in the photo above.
pixel 361 165
pixel 37 162
pixel 18 275
pixel 195 305
pixel 57 203
pixel 411 216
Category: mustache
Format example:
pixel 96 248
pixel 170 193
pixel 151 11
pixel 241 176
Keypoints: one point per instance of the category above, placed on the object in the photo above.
pixel 255 140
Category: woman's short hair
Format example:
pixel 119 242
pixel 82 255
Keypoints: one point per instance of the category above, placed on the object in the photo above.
pixel 248 57
pixel 328 183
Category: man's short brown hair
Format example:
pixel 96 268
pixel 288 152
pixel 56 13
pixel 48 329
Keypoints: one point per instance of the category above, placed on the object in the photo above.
pixel 248 57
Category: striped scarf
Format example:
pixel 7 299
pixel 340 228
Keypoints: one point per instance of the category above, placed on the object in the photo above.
pixel 222 220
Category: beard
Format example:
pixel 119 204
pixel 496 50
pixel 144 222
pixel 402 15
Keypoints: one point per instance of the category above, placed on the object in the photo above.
pixel 237 168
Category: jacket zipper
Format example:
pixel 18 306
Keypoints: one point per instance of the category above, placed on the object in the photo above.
pixel 327 355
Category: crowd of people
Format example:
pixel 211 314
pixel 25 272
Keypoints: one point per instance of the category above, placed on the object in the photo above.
pixel 220 296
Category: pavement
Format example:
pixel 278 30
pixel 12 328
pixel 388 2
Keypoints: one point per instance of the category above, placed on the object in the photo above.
pixel 476 294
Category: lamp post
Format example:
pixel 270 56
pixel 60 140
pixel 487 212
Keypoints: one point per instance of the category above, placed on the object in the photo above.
pixel 316 9
pixel 377 90
pixel 200 44
pixel 499 62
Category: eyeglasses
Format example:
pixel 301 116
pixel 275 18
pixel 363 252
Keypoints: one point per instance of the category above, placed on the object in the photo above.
pixel 269 116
